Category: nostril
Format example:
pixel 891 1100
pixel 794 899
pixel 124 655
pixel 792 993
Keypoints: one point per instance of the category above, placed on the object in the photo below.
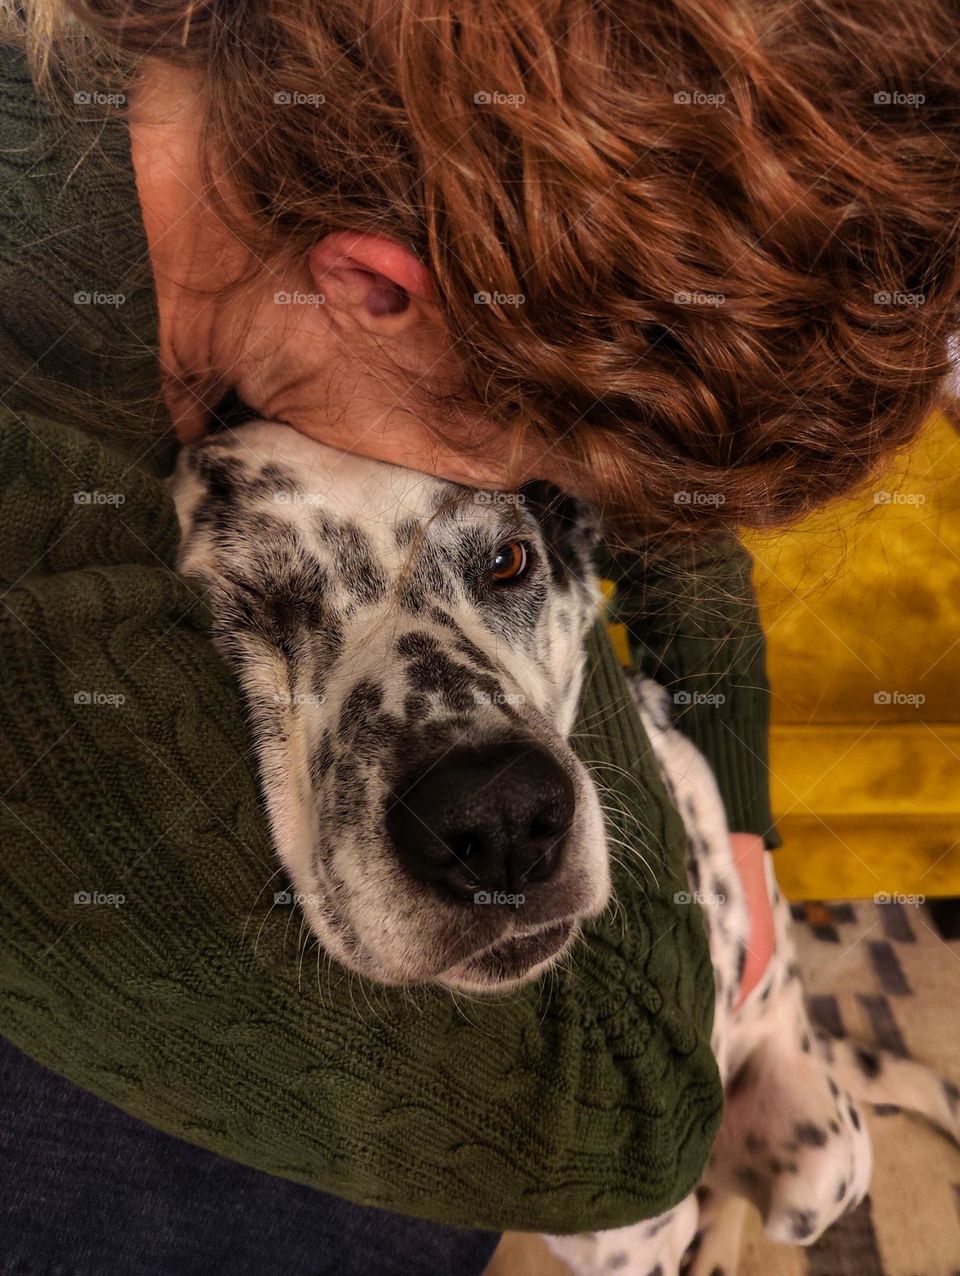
pixel 491 818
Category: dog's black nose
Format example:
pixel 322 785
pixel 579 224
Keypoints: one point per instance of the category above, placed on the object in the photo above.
pixel 484 819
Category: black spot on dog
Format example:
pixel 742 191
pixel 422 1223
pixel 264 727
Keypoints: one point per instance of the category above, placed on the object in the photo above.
pixel 617 1261
pixel 834 1126
pixel 805 1043
pixel 756 1143
pixel 810 1135
pixel 741 962
pixel 655 1271
pixel 321 760
pixel 834 1088
pixel 952 1093
pixel 841 1191
pixel 868 1062
pixel 854 1116
pixel 365 698
pixel 416 706
pixel 415 645
pixel 749 1178
pixel 803 1224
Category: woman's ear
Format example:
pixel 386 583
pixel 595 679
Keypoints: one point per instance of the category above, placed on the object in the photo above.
pixel 383 285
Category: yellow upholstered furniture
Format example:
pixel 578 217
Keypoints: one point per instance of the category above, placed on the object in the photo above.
pixel 861 606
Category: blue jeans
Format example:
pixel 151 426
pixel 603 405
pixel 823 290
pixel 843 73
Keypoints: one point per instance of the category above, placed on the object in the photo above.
pixel 86 1190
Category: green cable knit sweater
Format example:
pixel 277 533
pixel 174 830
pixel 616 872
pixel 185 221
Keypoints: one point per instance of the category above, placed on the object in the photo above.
pixel 181 993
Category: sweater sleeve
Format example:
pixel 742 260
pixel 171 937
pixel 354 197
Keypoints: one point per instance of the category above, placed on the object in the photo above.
pixel 693 624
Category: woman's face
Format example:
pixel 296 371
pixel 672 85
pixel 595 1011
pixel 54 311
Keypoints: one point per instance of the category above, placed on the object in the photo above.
pixel 347 344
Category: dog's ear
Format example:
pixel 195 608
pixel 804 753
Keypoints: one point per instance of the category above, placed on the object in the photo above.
pixel 571 528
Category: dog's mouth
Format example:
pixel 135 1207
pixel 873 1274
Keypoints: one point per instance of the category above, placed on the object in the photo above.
pixel 512 960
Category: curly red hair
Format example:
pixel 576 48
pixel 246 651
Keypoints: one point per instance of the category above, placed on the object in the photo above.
pixel 715 241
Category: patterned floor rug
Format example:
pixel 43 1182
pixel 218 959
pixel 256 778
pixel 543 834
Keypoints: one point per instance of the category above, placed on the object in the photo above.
pixel 885 974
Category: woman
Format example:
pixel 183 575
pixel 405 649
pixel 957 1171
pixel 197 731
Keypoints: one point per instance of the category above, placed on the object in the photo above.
pixel 653 254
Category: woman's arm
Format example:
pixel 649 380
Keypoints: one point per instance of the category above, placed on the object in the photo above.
pixel 693 625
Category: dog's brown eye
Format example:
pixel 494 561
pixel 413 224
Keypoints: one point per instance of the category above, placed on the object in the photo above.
pixel 510 562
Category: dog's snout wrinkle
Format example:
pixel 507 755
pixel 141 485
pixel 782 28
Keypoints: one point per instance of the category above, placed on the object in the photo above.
pixel 492 818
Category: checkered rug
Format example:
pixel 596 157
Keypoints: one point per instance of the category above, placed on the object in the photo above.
pixel 884 973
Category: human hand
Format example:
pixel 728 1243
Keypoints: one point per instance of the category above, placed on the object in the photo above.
pixel 749 855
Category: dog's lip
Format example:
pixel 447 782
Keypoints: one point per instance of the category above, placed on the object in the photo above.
pixel 513 957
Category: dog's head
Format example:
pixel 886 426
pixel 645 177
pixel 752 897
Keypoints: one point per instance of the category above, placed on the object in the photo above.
pixel 411 654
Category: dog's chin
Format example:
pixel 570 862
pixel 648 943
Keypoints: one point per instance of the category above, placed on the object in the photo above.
pixel 512 962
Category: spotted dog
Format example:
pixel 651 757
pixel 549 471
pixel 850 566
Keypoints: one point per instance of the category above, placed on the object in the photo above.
pixel 411 656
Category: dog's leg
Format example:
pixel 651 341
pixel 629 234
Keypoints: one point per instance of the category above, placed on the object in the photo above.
pixel 656 1245
pixel 722 1221
pixel 879 1077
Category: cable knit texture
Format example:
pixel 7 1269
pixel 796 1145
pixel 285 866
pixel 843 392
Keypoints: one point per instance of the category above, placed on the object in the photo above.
pixel 191 1000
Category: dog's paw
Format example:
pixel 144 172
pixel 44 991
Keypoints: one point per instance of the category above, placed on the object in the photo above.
pixel 651 1248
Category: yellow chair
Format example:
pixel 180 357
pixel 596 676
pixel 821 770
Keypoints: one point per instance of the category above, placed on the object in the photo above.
pixel 861 607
